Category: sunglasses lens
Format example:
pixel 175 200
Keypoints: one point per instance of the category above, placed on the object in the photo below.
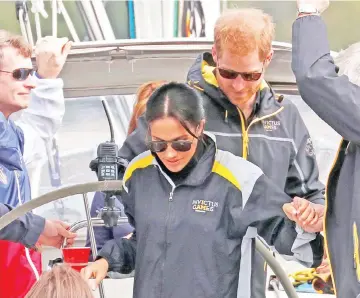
pixel 181 146
pixel 252 76
pixel 228 74
pixel 157 146
pixel 21 74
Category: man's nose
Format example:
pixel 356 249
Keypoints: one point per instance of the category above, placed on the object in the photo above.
pixel 238 83
pixel 29 83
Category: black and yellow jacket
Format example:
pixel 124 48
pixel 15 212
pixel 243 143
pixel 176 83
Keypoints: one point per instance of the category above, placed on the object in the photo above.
pixel 336 101
pixel 189 238
pixel 275 139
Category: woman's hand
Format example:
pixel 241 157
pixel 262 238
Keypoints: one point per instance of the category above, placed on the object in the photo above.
pixel 97 270
pixel 307 215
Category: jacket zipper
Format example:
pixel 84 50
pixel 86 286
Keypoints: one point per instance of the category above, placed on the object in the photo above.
pixel 326 212
pixel 170 200
pixel 27 253
pixel 356 251
pixel 245 131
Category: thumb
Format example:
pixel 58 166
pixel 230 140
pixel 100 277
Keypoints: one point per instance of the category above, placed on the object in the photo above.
pixel 87 273
pixel 98 278
pixel 289 210
pixel 65 232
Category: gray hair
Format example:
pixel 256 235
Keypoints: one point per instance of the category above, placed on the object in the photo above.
pixel 348 61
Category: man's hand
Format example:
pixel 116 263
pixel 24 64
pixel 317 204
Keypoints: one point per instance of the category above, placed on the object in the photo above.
pixel 320 5
pixel 54 233
pixel 51 54
pixel 97 270
pixel 307 215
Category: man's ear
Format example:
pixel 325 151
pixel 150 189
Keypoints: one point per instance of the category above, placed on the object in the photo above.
pixel 269 58
pixel 214 54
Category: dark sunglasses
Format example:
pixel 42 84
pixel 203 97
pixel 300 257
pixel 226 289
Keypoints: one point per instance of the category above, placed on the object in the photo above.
pixel 247 76
pixel 20 74
pixel 161 146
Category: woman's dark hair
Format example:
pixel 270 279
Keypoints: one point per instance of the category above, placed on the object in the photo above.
pixel 176 100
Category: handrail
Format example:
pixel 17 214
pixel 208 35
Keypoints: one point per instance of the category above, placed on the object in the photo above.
pixel 276 267
pixel 181 41
pixel 96 222
pixel 59 194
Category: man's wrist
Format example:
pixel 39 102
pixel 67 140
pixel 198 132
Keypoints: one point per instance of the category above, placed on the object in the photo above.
pixel 307 10
pixel 304 14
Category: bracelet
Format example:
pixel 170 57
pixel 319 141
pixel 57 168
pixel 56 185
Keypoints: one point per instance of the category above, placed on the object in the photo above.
pixel 305 14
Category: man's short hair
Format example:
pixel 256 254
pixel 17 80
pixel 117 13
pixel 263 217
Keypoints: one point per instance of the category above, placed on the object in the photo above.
pixel 14 41
pixel 348 61
pixel 242 31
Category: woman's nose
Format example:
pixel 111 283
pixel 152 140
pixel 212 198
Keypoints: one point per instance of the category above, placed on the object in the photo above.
pixel 170 152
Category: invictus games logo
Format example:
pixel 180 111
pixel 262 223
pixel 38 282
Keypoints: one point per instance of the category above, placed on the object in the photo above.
pixel 204 206
pixel 270 125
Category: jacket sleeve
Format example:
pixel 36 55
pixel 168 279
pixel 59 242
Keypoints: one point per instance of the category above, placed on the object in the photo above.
pixel 263 195
pixel 43 117
pixel 284 235
pixel 120 253
pixel 333 98
pixel 303 175
pixel 25 230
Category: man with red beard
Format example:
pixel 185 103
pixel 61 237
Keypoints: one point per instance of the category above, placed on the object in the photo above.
pixel 249 120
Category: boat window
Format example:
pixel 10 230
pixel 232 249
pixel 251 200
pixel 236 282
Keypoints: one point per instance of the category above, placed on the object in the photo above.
pixel 84 126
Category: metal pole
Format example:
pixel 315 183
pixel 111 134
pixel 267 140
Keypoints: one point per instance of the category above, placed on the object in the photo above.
pixel 28 29
pixel 68 21
pixel 90 14
pixel 92 238
pixel 54 18
pixel 276 267
pixel 37 26
pixel 22 24
pixel 103 19
pixel 187 43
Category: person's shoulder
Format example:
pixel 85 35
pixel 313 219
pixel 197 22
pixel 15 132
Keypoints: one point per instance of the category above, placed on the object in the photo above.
pixel 235 169
pixel 10 133
pixel 290 110
pixel 285 101
pixel 141 161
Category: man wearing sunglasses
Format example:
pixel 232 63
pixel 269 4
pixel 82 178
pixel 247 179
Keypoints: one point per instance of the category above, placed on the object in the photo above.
pixel 250 121
pixel 43 117
pixel 39 97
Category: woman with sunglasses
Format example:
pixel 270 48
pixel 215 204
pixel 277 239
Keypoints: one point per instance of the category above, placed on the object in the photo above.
pixel 190 205
pixel 103 234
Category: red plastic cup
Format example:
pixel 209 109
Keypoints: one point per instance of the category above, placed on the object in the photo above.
pixel 76 257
